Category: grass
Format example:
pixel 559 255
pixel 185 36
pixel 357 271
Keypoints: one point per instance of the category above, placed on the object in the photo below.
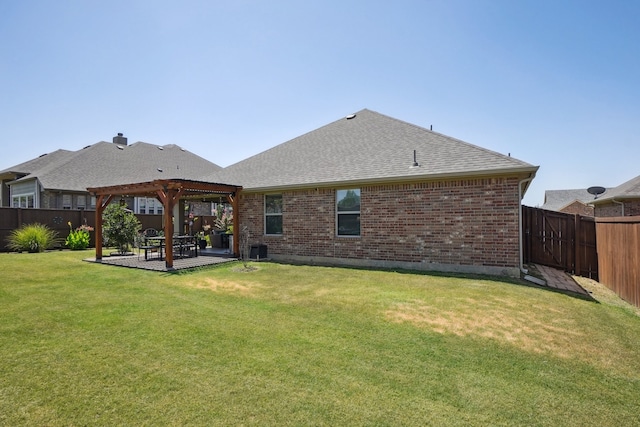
pixel 88 344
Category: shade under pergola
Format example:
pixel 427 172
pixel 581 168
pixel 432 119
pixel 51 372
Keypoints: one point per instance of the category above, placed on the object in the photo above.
pixel 168 192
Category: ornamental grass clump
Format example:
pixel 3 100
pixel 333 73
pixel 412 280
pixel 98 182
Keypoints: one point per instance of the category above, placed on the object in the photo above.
pixel 32 238
pixel 79 238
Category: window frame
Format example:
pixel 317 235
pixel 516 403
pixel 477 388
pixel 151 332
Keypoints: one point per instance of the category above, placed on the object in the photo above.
pixel 26 198
pixel 273 214
pixel 65 198
pixel 346 213
pixel 148 206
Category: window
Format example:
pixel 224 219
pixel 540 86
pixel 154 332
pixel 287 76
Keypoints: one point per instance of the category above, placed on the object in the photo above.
pixel 348 212
pixel 66 201
pixel 148 205
pixel 92 202
pixel 155 203
pixel 82 201
pixel 142 205
pixel 23 201
pixel 273 214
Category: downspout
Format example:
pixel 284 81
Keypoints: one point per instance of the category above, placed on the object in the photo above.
pixel 520 225
pixel 620 203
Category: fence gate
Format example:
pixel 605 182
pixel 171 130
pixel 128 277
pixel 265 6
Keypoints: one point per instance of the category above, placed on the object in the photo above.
pixel 560 240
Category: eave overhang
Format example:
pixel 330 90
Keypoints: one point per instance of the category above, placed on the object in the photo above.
pixel 524 172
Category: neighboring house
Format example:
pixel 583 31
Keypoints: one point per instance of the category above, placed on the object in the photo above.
pixel 623 200
pixel 371 190
pixel 578 201
pixel 59 180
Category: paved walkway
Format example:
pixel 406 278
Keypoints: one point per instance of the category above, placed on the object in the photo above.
pixel 561 280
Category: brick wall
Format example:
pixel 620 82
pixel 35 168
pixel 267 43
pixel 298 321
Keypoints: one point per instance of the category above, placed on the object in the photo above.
pixel 470 222
pixel 578 208
pixel 631 208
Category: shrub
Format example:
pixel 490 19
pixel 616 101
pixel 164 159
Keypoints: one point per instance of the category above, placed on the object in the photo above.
pixel 32 238
pixel 79 238
pixel 119 227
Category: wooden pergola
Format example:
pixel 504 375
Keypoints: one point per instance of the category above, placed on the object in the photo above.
pixel 169 192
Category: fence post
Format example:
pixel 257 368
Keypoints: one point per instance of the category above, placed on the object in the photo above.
pixel 576 245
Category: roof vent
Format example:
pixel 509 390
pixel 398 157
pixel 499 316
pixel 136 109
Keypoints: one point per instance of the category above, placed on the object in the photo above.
pixel 119 139
pixel 159 169
pixel 160 147
pixel 351 116
pixel 120 147
pixel 415 160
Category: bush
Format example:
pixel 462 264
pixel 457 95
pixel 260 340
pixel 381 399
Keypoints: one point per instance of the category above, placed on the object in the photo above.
pixel 119 227
pixel 79 238
pixel 32 238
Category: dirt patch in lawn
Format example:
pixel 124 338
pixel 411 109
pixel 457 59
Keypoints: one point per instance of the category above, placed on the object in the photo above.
pixel 226 286
pixel 496 320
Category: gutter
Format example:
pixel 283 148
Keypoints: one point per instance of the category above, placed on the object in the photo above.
pixel 620 203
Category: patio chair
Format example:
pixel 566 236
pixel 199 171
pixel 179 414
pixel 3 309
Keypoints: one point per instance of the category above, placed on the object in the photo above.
pixel 147 246
pixel 185 246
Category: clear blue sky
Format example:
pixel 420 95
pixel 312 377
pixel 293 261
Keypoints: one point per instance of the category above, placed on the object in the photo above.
pixel 554 83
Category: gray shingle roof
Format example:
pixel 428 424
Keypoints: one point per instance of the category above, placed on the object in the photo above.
pixel 627 190
pixel 37 163
pixel 555 200
pixel 370 147
pixel 104 164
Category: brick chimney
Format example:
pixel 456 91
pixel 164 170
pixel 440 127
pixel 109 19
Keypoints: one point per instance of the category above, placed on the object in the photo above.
pixel 119 139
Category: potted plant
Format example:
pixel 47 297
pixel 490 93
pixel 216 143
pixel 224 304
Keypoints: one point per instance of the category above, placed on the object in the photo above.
pixel 202 242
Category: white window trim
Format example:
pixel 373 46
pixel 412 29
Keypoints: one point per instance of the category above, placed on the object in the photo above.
pixel 158 208
pixel 20 196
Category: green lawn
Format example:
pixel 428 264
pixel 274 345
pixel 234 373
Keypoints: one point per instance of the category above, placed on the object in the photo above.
pixel 89 344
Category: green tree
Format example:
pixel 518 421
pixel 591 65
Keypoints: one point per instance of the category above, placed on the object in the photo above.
pixel 119 226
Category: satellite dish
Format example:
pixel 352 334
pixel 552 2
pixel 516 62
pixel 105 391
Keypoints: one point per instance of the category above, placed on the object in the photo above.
pixel 596 191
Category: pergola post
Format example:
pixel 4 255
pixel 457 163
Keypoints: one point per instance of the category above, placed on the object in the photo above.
pixel 102 201
pixel 168 199
pixel 233 198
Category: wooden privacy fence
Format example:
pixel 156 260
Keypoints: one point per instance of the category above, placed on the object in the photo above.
pixel 560 240
pixel 619 256
pixel 57 220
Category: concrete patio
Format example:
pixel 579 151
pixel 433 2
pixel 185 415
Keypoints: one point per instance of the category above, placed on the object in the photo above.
pixel 208 256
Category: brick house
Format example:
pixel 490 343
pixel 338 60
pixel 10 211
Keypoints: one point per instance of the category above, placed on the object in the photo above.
pixel 623 200
pixel 371 190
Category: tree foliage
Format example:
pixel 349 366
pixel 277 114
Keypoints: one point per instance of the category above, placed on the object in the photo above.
pixel 119 227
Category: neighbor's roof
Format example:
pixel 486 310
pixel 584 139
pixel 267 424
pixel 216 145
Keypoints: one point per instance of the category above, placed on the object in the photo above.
pixel 627 190
pixel 366 147
pixel 35 164
pixel 106 163
pixel 555 200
